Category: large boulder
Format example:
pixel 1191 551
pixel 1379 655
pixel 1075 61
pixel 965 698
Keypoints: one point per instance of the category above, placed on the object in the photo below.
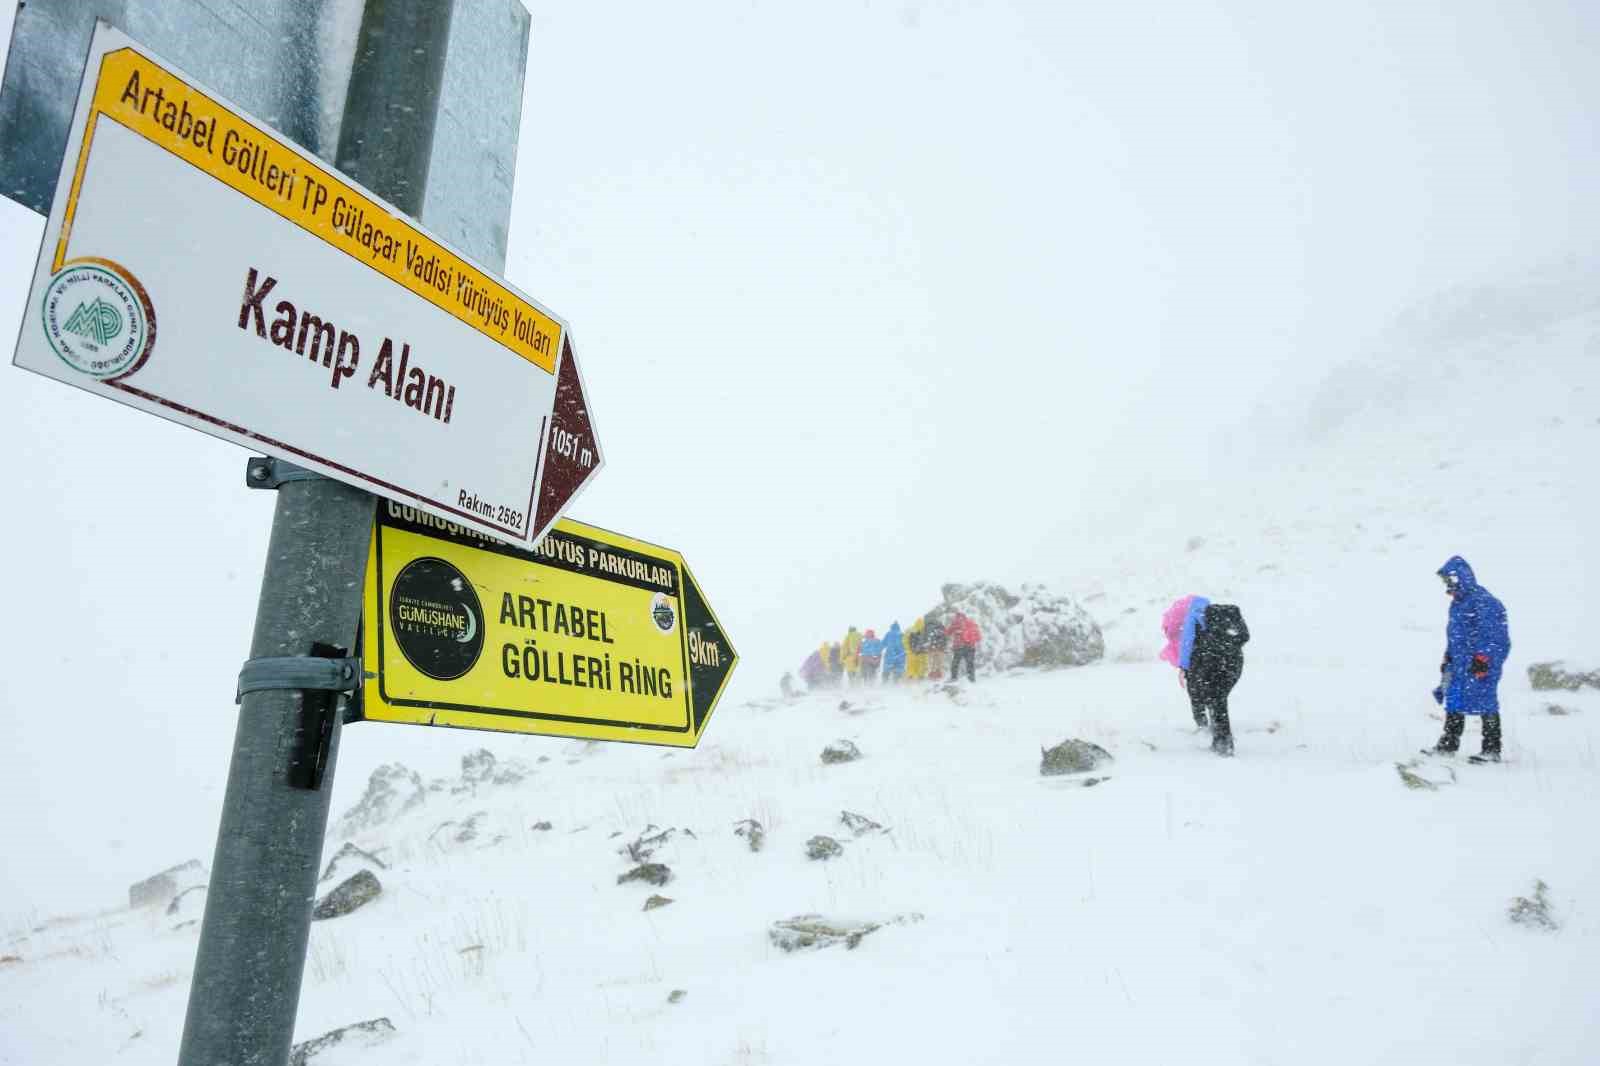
pixel 1032 626
pixel 393 789
pixel 841 751
pixel 358 890
pixel 1072 757
pixel 365 1034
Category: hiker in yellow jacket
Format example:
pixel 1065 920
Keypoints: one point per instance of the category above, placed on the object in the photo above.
pixel 850 649
pixel 916 652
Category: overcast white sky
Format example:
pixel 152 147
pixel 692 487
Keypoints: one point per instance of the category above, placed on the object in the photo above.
pixel 851 284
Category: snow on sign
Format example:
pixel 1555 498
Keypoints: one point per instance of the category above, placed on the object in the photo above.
pixel 591 635
pixel 200 267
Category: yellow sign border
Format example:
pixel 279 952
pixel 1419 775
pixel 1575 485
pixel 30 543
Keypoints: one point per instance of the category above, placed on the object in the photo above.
pixel 111 85
pixel 455 715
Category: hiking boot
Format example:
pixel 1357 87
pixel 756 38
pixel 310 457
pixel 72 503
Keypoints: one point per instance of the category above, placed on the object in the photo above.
pixel 1222 745
pixel 1483 757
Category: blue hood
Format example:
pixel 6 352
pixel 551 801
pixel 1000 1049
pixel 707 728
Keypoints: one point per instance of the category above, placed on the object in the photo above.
pixel 1466 580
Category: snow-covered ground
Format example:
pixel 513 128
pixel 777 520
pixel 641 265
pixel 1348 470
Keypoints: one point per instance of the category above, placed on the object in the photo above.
pixel 1297 904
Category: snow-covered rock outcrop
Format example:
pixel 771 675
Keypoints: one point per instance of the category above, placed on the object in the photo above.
pixel 1031 627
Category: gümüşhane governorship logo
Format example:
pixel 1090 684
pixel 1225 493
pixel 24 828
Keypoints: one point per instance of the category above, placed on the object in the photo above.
pixel 99 319
pixel 436 618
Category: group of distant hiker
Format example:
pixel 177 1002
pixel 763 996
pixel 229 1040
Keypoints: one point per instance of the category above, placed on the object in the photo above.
pixel 1205 641
pixel 919 653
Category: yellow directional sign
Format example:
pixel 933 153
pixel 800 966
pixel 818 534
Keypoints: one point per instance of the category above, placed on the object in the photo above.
pixel 591 634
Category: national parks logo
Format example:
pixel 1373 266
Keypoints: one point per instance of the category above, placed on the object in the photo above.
pixel 98 319
pixel 436 618
pixel 662 613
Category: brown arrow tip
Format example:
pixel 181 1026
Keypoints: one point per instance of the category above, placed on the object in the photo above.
pixel 572 454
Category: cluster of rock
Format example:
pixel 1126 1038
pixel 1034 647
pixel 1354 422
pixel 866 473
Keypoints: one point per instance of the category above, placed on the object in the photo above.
pixel 394 788
pixel 1032 626
pixel 1554 676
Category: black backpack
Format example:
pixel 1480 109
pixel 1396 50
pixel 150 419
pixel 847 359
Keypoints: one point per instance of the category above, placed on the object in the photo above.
pixel 1225 632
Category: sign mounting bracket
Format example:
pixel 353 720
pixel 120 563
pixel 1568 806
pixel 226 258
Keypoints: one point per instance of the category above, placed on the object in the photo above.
pixel 265 472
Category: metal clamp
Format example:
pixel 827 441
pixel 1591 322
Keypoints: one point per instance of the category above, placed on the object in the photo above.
pixel 324 679
pixel 300 673
pixel 265 472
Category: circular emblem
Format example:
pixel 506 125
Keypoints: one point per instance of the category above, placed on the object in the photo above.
pixel 662 613
pixel 436 618
pixel 99 319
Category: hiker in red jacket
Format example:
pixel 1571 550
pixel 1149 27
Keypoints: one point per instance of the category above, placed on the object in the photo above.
pixel 964 636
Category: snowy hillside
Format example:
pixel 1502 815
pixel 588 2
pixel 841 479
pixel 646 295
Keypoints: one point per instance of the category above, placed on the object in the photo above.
pixel 1298 904
pixel 1322 898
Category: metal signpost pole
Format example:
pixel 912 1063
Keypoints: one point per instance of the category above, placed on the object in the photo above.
pixel 251 958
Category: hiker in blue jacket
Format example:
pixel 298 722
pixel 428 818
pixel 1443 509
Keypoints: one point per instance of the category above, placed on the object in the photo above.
pixel 1477 642
pixel 894 655
pixel 871 656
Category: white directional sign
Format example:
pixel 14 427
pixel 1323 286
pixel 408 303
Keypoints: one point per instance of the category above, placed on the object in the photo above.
pixel 200 267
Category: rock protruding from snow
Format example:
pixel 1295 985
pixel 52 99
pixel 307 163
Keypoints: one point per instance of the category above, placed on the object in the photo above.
pixel 1072 756
pixel 365 1034
pixel 480 768
pixel 351 894
pixel 753 832
pixel 159 890
pixel 1421 775
pixel 347 860
pixel 651 873
pixel 655 902
pixel 1548 677
pixel 464 832
pixel 393 789
pixel 1033 626
pixel 841 751
pixel 822 848
pixel 859 824
pixel 813 931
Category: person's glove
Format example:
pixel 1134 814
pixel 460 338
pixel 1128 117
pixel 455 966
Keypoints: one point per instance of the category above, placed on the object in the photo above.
pixel 1438 695
pixel 1183 679
pixel 1480 666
